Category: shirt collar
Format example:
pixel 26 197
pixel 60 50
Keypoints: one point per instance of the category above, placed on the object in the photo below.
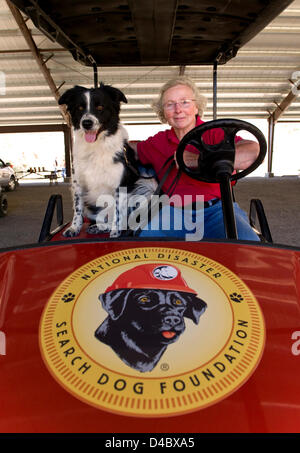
pixel 172 137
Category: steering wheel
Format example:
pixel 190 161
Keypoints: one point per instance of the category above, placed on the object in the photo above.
pixel 218 159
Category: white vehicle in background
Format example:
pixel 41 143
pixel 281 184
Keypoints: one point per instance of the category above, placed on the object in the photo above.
pixel 8 179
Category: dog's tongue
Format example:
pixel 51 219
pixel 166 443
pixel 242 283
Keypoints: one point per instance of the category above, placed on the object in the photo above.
pixel 167 334
pixel 91 136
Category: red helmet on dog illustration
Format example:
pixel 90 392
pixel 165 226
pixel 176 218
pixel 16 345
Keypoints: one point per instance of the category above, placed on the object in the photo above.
pixel 146 307
pixel 152 276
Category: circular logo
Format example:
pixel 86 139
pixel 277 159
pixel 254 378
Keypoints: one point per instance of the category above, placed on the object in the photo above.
pixel 152 332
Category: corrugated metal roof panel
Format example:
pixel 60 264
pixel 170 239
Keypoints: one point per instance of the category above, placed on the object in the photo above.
pixel 251 85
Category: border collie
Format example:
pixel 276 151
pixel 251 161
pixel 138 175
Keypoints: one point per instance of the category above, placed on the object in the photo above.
pixel 102 159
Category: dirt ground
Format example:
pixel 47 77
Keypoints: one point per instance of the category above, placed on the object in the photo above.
pixel 280 197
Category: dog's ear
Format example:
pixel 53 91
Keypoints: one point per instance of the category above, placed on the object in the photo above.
pixel 69 95
pixel 114 302
pixel 195 308
pixel 116 94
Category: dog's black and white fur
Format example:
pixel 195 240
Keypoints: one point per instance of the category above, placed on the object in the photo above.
pixel 142 323
pixel 100 166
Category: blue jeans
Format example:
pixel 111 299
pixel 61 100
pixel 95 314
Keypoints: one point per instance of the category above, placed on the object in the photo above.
pixel 212 224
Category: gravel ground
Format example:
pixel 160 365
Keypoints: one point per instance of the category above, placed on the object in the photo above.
pixel 280 197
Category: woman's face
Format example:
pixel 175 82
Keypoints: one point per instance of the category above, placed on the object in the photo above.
pixel 181 117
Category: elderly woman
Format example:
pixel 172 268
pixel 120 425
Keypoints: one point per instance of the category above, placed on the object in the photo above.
pixel 181 106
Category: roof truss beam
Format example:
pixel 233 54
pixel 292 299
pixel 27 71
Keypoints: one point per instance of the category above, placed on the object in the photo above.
pixel 285 104
pixel 37 56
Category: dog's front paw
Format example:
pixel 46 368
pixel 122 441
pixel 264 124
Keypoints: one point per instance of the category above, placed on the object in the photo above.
pixel 94 229
pixel 70 233
pixel 114 234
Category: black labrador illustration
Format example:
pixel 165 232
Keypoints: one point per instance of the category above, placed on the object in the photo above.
pixel 146 308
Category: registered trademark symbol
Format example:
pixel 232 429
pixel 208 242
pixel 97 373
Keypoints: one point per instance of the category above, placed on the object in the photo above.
pixel 164 366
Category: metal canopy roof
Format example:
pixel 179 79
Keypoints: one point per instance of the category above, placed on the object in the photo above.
pixel 137 49
pixel 151 32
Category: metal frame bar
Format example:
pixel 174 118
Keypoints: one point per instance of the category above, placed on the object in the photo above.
pixel 215 77
pixel 271 123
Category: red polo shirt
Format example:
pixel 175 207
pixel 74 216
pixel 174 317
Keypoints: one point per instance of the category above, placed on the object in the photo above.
pixel 157 149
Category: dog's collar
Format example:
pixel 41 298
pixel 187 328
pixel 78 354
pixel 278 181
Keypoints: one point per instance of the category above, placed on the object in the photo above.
pixel 125 155
pixel 131 167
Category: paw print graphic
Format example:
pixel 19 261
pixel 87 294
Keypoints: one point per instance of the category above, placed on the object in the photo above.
pixel 235 297
pixel 68 297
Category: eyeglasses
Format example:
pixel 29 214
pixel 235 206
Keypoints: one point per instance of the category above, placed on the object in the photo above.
pixel 183 103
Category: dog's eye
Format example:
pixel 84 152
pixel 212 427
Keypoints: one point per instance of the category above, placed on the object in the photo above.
pixel 81 108
pixel 178 302
pixel 144 299
pixel 99 107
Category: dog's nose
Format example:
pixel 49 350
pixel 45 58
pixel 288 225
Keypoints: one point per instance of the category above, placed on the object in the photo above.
pixel 172 320
pixel 87 124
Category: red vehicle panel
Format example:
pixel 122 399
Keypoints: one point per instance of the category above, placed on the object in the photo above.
pixel 33 399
